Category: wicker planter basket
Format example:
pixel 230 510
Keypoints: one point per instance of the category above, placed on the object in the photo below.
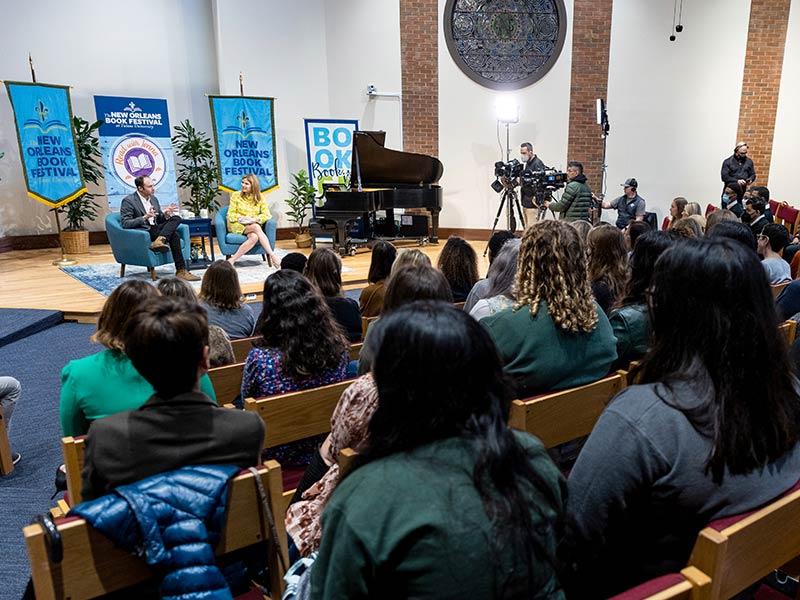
pixel 303 240
pixel 75 242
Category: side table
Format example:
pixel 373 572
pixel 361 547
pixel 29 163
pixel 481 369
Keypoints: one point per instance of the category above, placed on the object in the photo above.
pixel 199 227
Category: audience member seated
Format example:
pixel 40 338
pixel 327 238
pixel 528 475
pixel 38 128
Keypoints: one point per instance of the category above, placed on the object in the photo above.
pixel 754 214
pixel 771 242
pixel 415 282
pixel 496 243
pixel 734 230
pixel 693 208
pixel 221 296
pixel 247 213
pixel 370 301
pixel 106 383
pixel 556 336
pixel 688 228
pixel 717 217
pixel 677 210
pixel 294 261
pixel 324 270
pixel 459 264
pixel 702 437
pixel 172 287
pixel 629 318
pixel 787 303
pixel 10 391
pixel 632 233
pixel 502 273
pixel 608 264
pixel 732 199
pixel 178 426
pixel 701 223
pixel 409 257
pixel 762 193
pixel 445 501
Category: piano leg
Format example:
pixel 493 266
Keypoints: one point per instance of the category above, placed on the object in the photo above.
pixel 435 225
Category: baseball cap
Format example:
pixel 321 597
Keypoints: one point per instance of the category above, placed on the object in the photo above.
pixel 630 182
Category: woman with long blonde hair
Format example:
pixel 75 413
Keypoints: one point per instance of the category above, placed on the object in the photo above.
pixel 555 336
pixel 247 213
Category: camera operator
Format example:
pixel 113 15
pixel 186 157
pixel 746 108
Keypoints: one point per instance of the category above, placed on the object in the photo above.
pixel 530 202
pixel 576 201
pixel 630 206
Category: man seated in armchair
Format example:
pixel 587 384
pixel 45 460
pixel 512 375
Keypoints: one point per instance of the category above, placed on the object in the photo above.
pixel 141 210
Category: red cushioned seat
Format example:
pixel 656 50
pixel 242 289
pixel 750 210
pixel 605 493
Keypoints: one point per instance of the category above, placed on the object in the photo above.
pixel 710 208
pixel 665 224
pixel 650 588
pixel 725 522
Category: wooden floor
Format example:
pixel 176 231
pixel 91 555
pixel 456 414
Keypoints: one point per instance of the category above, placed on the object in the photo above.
pixel 28 278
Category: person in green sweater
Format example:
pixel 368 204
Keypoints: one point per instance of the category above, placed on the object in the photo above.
pixel 555 336
pixel 445 501
pixel 106 383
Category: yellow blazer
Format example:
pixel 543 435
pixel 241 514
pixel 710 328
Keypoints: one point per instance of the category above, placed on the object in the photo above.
pixel 241 207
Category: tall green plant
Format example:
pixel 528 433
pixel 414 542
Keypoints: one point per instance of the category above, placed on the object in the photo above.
pixel 197 169
pixel 301 196
pixel 84 208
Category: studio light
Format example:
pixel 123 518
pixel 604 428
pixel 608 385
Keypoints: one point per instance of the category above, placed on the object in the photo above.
pixel 506 109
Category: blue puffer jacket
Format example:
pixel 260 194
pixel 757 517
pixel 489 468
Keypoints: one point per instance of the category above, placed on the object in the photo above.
pixel 172 520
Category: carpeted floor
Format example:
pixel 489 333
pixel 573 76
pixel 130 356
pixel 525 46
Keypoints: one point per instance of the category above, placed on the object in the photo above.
pixel 18 323
pixel 35 433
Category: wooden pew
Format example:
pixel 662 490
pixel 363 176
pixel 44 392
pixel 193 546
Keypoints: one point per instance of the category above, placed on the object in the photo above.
pixel 739 551
pixel 6 461
pixel 563 416
pixel 227 382
pixel 355 351
pixel 778 288
pixel 241 347
pixel 789 330
pixel 345 460
pixel 74 450
pixel 689 584
pixel 93 566
pixel 365 323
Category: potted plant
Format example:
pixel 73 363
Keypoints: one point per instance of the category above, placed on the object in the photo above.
pixel 75 236
pixel 301 196
pixel 197 169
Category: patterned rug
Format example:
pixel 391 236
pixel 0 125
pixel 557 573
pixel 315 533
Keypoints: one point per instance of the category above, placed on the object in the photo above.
pixel 105 277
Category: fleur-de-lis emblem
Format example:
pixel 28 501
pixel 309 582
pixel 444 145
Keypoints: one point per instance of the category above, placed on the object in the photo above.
pixel 41 110
pixel 131 105
pixel 243 120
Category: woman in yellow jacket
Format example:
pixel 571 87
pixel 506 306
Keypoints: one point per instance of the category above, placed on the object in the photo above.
pixel 247 213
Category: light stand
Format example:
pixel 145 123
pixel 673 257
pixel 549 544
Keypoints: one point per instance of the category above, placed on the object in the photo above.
pixel 605 127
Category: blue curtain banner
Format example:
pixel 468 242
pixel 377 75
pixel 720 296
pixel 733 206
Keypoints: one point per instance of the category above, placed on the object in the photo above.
pixel 43 119
pixel 135 141
pixel 244 140
pixel 329 149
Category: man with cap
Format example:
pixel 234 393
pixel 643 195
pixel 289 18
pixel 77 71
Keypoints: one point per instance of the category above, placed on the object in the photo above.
pixel 630 206
pixel 738 171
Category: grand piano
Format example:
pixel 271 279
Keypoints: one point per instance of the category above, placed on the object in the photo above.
pixel 380 180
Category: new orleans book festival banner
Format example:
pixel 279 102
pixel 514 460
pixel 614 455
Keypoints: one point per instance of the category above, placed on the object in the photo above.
pixel 244 138
pixel 329 146
pixel 43 118
pixel 135 142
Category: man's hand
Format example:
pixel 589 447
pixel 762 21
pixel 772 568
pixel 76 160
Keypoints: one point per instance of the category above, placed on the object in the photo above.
pixel 150 214
pixel 547 203
pixel 742 183
pixel 171 209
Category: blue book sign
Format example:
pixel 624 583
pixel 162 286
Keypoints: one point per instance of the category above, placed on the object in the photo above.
pixel 244 139
pixel 43 118
pixel 135 142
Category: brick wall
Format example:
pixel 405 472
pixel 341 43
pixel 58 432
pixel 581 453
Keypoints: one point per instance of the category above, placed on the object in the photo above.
pixel 591 34
pixel 763 64
pixel 419 61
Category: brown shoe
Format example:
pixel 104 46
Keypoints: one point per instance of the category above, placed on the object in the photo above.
pixel 186 276
pixel 159 244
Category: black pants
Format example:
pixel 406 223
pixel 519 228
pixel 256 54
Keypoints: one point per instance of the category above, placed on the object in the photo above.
pixel 169 230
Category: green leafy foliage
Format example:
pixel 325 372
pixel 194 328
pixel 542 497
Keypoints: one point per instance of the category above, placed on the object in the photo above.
pixel 84 208
pixel 301 196
pixel 197 169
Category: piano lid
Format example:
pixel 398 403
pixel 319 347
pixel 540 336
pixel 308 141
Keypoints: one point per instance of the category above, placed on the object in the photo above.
pixel 380 165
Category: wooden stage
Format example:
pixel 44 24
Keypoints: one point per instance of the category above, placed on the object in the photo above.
pixel 29 280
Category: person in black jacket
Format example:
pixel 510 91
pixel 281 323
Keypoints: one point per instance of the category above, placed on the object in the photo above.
pixel 755 208
pixel 529 201
pixel 167 342
pixel 738 171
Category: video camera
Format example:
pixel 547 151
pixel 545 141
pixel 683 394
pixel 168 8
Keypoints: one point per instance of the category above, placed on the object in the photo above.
pixel 543 180
pixel 510 170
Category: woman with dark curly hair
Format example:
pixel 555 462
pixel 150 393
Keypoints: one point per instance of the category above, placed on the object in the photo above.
pixel 608 264
pixel 459 264
pixel 555 336
pixel 300 346
pixel 324 270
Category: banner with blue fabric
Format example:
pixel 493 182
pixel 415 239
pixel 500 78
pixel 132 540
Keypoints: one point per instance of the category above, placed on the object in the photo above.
pixel 135 142
pixel 244 139
pixel 43 118
pixel 329 149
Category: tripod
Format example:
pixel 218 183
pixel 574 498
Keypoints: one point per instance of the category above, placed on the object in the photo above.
pixel 510 200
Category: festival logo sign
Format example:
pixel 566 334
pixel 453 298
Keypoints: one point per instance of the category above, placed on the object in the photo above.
pixel 43 118
pixel 244 139
pixel 135 141
pixel 329 147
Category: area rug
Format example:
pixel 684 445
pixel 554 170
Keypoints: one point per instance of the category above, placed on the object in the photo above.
pixel 105 277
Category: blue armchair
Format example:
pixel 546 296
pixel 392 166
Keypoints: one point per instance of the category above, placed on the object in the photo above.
pixel 132 246
pixel 229 242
